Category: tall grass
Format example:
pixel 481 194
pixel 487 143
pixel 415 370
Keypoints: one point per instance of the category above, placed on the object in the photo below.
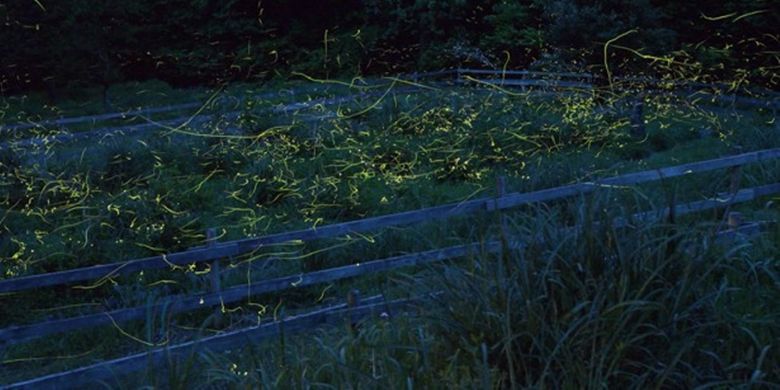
pixel 654 305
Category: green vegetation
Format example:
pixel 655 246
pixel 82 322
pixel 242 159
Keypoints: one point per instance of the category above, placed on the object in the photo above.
pixel 78 203
pixel 646 307
pixel 67 46
pixel 292 122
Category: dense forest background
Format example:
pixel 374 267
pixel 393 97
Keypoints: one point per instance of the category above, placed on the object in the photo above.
pixel 55 46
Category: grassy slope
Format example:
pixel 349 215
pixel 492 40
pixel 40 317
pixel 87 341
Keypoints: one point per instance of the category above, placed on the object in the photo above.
pixel 117 201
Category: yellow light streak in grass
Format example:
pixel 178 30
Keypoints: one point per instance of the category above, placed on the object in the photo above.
pixel 174 267
pixel 749 14
pixel 322 295
pixel 48 357
pixel 738 18
pixel 40 5
pixel 73 306
pixel 151 248
pixel 292 255
pixel 716 18
pixel 180 128
pixel 170 210
pixel 370 107
pixel 351 84
pixel 412 83
pixel 134 338
pixel 606 46
pixel 494 86
pixel 667 60
pixel 103 280
pixel 506 64
pixel 163 281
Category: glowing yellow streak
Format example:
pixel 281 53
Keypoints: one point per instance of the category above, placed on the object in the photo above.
pixel 174 267
pixel 39 358
pixel 370 107
pixel 412 83
pixel 168 209
pixel 62 227
pixel 164 281
pixel 66 307
pixel 322 296
pixel 147 246
pixel 40 5
pixel 606 46
pixel 102 280
pixel 131 337
pixel 178 129
pixel 748 15
pixel 668 61
pixel 493 86
pixel 325 43
pixel 322 81
pixel 715 18
pixel 503 68
pixel 276 310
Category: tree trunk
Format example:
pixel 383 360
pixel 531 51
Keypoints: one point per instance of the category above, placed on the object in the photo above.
pixel 106 101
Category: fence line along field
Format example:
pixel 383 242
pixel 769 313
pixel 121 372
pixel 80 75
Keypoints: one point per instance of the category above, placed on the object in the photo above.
pixel 307 196
pixel 178 304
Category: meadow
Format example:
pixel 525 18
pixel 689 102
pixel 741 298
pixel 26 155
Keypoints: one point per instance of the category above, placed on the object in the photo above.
pixel 650 306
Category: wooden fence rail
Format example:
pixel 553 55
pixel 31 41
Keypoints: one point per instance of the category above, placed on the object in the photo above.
pixel 221 296
pixel 184 303
pixel 114 115
pixel 101 117
pixel 192 120
pixel 233 248
pixel 115 368
pixel 542 79
pixel 461 76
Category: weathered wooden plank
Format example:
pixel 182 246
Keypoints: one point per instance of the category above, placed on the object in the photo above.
pixel 123 130
pixel 516 199
pixel 741 196
pixel 183 303
pixel 102 117
pixel 374 223
pixel 191 120
pixel 748 229
pixel 367 224
pixel 524 73
pixel 114 369
pixel 112 269
pixel 537 83
pixel 419 75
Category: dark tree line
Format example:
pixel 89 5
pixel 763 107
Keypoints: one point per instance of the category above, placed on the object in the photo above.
pixel 51 45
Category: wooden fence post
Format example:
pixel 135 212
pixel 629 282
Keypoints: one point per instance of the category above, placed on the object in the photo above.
pixel 353 301
pixel 637 119
pixel 500 192
pixel 735 178
pixel 214 271
pixel 735 219
pixel 211 241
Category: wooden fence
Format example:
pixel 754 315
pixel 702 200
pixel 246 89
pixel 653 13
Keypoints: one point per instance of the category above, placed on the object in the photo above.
pixel 233 248
pixel 214 251
pixel 219 250
pixel 461 76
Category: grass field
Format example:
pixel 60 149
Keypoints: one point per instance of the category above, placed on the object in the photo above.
pixel 646 309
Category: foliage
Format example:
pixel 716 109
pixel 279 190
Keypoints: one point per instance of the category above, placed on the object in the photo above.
pixel 78 43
